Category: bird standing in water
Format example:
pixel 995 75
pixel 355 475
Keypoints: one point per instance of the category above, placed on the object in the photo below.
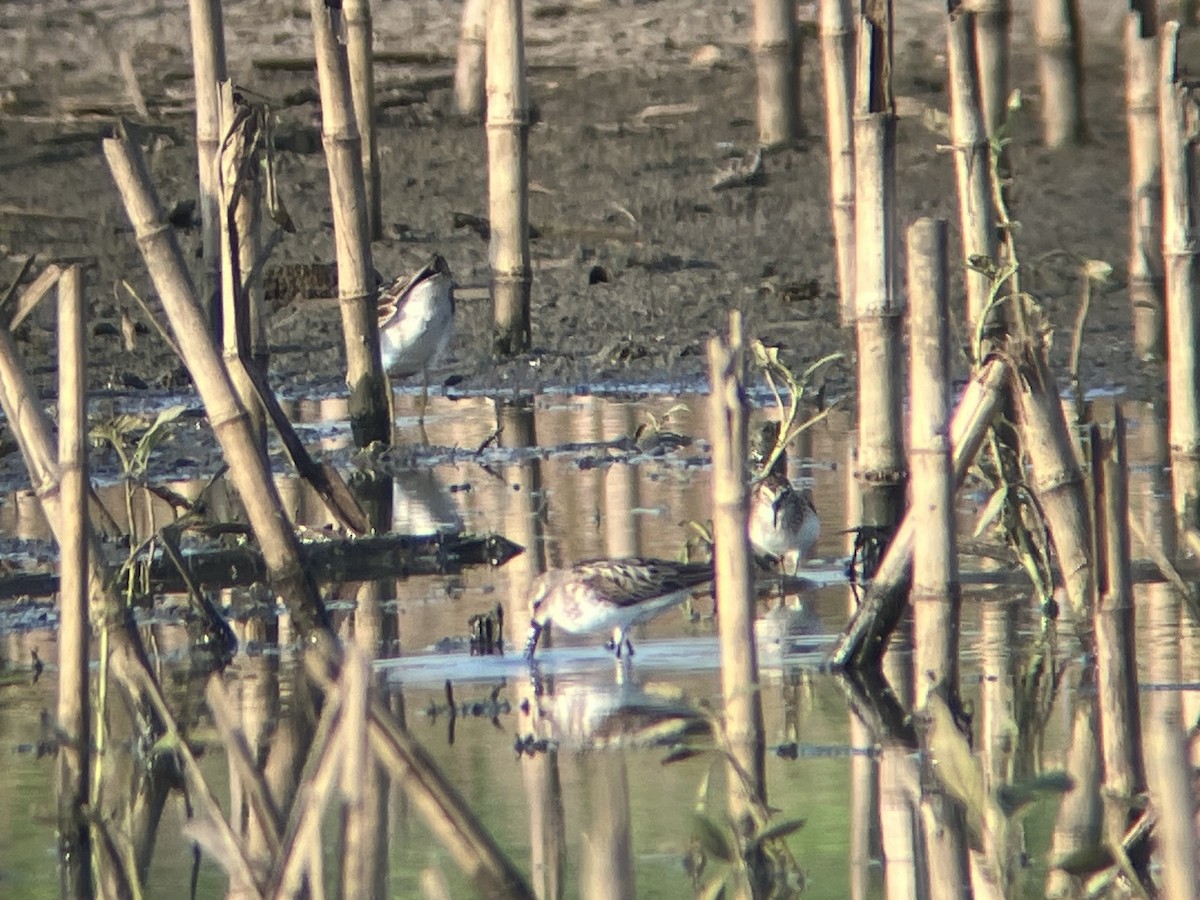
pixel 416 321
pixel 610 594
pixel 783 523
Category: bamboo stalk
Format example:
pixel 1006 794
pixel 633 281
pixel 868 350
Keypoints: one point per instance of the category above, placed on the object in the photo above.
pixel 837 62
pixel 1077 826
pixel 1179 257
pixel 508 177
pixel 208 67
pixel 1145 180
pixel 369 418
pixel 1056 26
pixel 248 472
pixel 359 39
pixel 74 712
pixel 992 21
pixel 777 71
pixel 734 580
pixel 864 638
pixel 1116 647
pixel 878 306
pixel 972 164
pixel 469 68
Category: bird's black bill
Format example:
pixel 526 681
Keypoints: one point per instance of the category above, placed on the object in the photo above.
pixel 535 632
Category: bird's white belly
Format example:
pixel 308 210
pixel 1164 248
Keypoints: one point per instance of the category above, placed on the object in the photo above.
pixel 420 336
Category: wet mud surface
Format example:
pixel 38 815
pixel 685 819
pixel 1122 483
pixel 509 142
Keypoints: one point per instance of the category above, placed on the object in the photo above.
pixel 639 259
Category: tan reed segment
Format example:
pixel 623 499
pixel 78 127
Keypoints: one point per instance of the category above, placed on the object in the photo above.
pixel 240 190
pixel 992 50
pixel 972 165
pixel 358 856
pixel 247 467
pixel 208 68
pixel 1056 28
pixel 469 66
pixel 359 42
pixel 995 863
pixel 837 63
pixel 1116 647
pixel 33 293
pixel 74 631
pixel 448 816
pixel 734 577
pixel 1179 258
pixel 864 639
pixel 1145 181
pixel 369 418
pixel 1057 483
pixel 775 66
pixel 508 177
pixel 878 305
pixel 1077 827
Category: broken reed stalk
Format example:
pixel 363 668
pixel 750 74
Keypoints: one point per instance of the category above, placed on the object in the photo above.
pixel 972 166
pixel 837 62
pixel 1056 28
pixel 1179 258
pixel 240 192
pixel 878 307
pixel 1056 482
pixel 734 579
pixel 208 68
pixel 74 710
pixel 1116 648
pixel 992 21
pixel 864 639
pixel 369 418
pixel 469 68
pixel 776 70
pixel 1145 180
pixel 508 178
pixel 935 590
pixel 359 42
pixel 247 467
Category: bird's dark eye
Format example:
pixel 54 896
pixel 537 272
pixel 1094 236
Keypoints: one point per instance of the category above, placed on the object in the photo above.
pixel 537 604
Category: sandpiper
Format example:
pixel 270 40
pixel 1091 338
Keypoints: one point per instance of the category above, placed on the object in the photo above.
pixel 783 523
pixel 611 594
pixel 416 319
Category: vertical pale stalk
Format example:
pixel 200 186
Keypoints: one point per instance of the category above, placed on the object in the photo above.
pixel 992 21
pixel 972 162
pixel 1056 27
pixel 74 841
pixel 360 49
pixel 469 68
pixel 606 869
pixel 734 577
pixel 1077 826
pixel 995 862
pixel 1116 653
pixel 1145 180
pixel 775 64
pixel 878 306
pixel 369 419
pixel 1179 258
pixel 508 177
pixel 208 71
pixel 247 468
pixel 837 62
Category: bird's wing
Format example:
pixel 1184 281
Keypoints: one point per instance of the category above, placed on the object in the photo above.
pixel 630 581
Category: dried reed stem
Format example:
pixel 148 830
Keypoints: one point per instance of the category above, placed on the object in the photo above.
pixel 1056 27
pixel 864 638
pixel 1145 180
pixel 837 62
pixel 1077 826
pixel 369 419
pixel 777 71
pixel 1116 653
pixel 972 165
pixel 508 177
pixel 878 306
pixel 208 67
pixel 247 468
pixel 992 21
pixel 469 69
pixel 74 842
pixel 1179 257
pixel 359 41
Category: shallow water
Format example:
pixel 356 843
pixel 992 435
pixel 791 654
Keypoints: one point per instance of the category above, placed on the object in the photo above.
pixel 561 481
